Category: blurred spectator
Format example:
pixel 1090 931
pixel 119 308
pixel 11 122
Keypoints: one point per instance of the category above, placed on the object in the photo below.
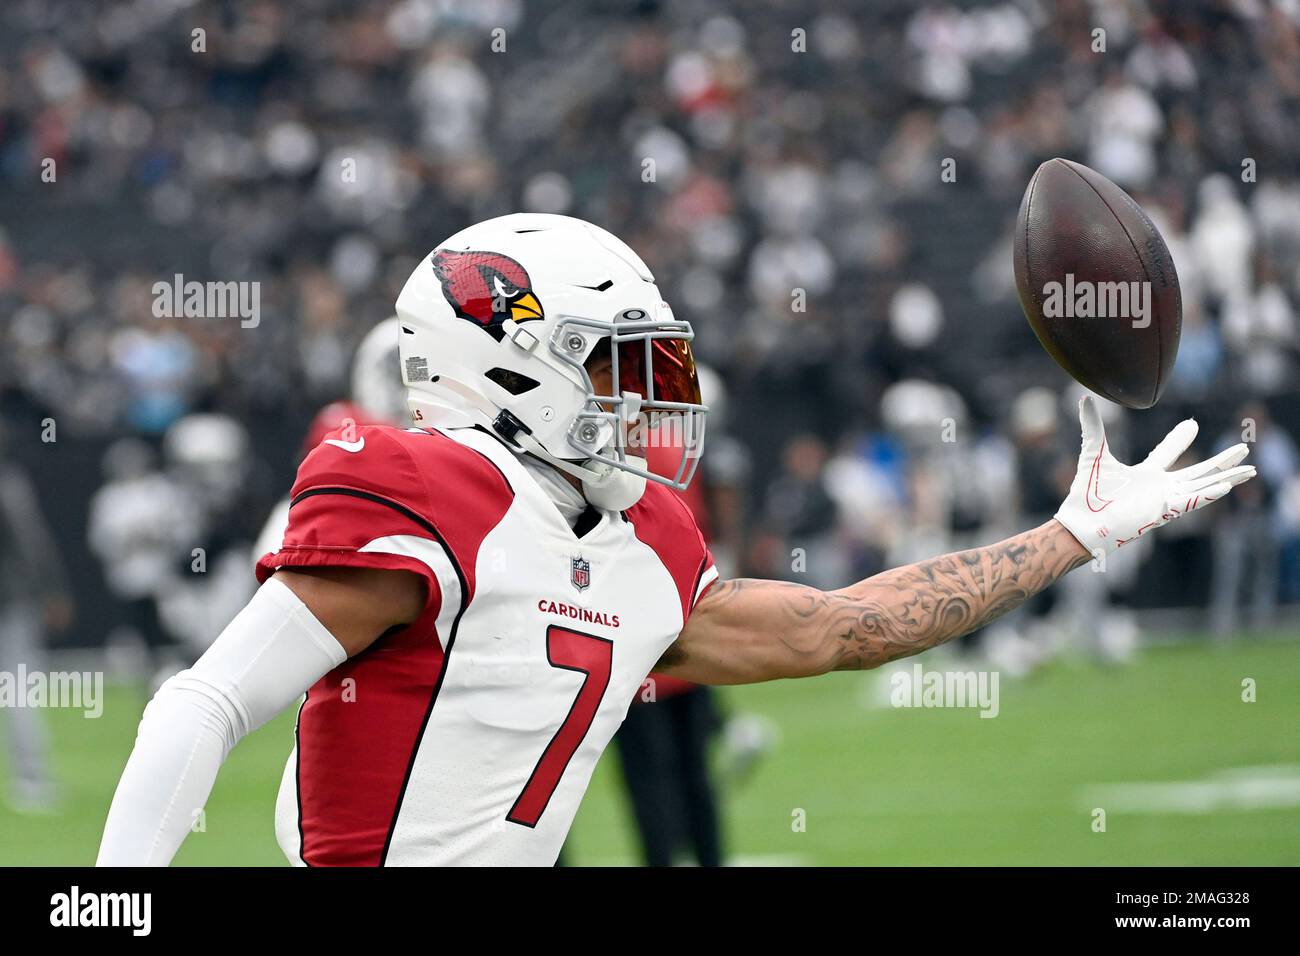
pixel 1249 533
pixel 801 512
pixel 821 208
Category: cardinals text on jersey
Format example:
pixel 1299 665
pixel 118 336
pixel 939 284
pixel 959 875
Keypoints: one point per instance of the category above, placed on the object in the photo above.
pixel 469 736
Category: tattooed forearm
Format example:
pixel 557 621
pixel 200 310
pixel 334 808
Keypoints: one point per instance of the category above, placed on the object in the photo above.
pixel 907 610
pixel 743 631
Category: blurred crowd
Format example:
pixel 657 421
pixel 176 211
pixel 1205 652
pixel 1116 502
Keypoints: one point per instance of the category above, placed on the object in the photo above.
pixel 826 190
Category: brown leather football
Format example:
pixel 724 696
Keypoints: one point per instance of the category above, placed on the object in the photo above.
pixel 1097 283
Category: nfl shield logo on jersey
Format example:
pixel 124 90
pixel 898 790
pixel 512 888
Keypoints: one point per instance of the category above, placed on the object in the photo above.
pixel 580 573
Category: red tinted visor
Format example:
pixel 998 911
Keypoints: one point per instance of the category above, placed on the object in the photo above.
pixel 672 370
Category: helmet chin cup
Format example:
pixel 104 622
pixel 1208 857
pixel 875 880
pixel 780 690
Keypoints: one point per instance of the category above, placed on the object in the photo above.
pixel 605 485
pixel 617 490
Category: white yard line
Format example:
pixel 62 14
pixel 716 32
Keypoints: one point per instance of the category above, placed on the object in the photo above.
pixel 775 859
pixel 1274 787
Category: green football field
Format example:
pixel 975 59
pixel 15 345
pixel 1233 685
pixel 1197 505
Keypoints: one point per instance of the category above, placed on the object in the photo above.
pixel 1184 769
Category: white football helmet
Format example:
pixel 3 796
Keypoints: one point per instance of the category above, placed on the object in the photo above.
pixel 497 323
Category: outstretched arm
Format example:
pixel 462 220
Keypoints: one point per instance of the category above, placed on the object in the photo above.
pixel 745 631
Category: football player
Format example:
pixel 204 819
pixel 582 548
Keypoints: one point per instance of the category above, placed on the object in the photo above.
pixel 471 604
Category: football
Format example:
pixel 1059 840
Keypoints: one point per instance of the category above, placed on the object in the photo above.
pixel 1097 283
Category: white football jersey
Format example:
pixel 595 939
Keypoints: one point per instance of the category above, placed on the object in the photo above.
pixel 469 736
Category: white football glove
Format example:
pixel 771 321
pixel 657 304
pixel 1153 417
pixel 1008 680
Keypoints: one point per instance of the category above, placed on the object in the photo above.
pixel 1111 504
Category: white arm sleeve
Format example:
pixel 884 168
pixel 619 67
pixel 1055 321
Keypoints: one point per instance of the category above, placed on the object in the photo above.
pixel 265 659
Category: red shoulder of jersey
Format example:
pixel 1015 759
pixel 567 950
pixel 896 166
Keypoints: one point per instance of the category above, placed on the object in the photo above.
pixel 662 521
pixel 385 497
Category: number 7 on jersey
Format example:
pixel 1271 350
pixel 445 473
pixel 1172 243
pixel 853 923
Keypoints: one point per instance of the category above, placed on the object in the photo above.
pixel 586 654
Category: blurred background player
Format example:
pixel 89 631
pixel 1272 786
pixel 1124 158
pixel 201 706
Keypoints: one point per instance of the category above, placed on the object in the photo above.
pixel 1247 553
pixel 138 525
pixel 173 540
pixel 376 398
pixel 664 743
pixel 34 599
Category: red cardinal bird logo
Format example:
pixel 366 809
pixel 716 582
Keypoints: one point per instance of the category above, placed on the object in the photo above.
pixel 486 287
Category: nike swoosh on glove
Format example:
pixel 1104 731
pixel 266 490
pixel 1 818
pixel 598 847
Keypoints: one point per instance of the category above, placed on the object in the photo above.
pixel 1111 504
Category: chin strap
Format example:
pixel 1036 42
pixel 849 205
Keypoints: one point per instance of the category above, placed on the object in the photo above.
pixel 610 488
pixel 514 434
